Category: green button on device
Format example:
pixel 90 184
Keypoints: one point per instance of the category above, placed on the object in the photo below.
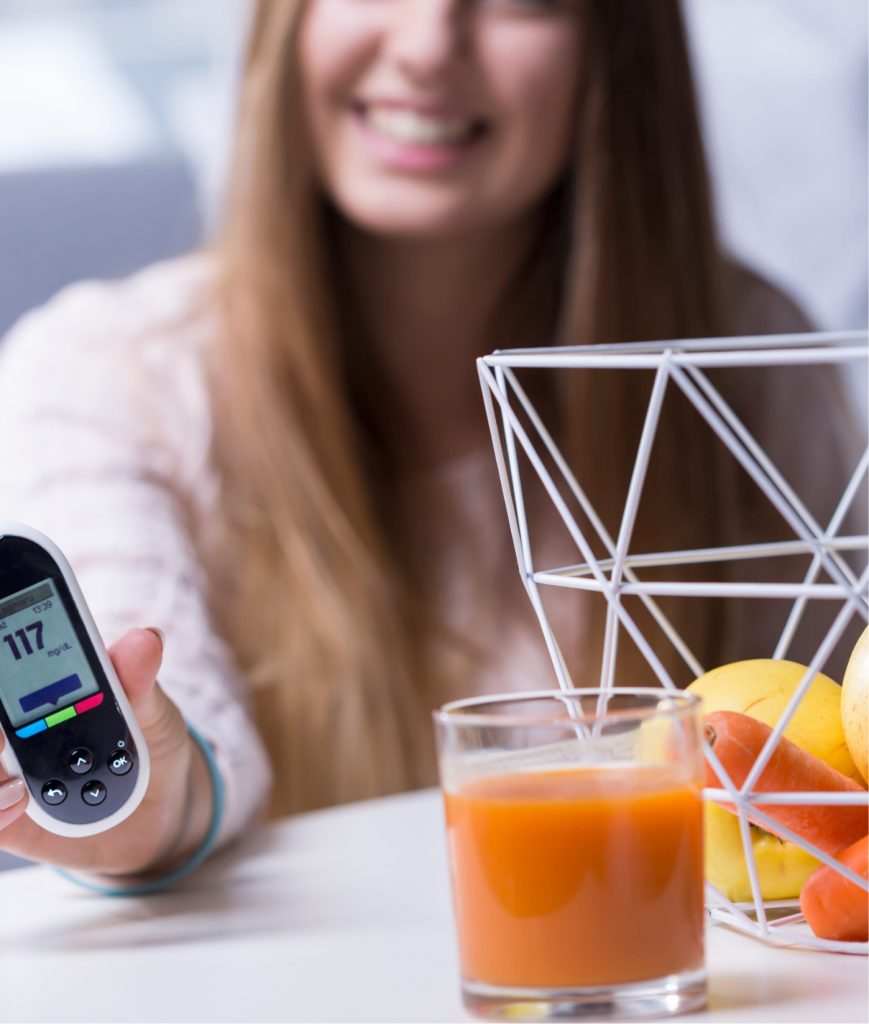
pixel 60 716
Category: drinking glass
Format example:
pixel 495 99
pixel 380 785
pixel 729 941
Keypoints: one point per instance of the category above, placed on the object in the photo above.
pixel 575 837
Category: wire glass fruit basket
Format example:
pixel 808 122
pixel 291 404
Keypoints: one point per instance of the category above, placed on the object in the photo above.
pixel 834 561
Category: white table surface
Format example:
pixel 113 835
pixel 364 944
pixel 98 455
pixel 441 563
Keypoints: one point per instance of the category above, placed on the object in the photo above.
pixel 341 915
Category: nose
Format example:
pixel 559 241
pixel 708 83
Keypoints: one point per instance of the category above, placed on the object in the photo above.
pixel 425 37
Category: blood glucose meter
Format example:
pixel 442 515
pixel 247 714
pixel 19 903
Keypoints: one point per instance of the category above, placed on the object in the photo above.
pixel 69 730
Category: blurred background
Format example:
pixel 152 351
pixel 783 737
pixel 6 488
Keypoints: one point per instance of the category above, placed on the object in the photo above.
pixel 115 118
pixel 116 115
pixel 114 121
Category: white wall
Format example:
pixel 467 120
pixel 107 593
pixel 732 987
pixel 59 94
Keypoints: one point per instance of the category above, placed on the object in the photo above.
pixel 783 87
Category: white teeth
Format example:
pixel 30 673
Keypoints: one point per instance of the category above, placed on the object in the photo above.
pixel 407 126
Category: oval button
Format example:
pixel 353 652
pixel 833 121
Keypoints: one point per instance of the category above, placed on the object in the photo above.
pixel 120 762
pixel 54 792
pixel 93 792
pixel 81 760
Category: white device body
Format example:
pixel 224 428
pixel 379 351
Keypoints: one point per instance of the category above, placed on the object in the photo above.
pixel 8 758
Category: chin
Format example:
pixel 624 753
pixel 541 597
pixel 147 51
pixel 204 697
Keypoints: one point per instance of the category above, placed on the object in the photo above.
pixel 415 228
pixel 415 220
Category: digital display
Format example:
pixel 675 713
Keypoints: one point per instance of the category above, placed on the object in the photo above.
pixel 42 666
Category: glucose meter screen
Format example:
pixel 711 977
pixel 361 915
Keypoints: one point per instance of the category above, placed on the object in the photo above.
pixel 42 666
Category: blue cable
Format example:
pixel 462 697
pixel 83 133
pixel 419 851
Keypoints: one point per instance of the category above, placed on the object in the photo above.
pixel 196 858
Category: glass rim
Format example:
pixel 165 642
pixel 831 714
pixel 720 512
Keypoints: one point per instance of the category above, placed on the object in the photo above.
pixel 460 713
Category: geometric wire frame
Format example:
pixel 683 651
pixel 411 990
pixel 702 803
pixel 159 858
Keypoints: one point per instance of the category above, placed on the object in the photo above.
pixel 683 364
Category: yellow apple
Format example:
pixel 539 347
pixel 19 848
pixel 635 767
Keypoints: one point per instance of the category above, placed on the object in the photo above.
pixel 782 867
pixel 855 703
pixel 762 688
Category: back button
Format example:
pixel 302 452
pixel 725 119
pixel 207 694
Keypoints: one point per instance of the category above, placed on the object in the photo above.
pixel 54 792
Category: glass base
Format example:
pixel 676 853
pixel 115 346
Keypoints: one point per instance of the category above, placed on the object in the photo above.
pixel 659 997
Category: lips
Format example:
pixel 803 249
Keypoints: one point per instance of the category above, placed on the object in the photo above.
pixel 413 126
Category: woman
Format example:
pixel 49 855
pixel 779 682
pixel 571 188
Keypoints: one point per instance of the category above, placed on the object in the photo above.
pixel 275 451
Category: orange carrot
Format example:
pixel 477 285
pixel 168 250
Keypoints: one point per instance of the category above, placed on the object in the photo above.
pixel 737 740
pixel 834 906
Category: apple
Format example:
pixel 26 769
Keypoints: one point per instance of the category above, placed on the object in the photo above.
pixel 762 688
pixel 855 703
pixel 782 867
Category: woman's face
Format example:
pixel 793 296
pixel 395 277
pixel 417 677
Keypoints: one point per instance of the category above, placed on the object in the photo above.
pixel 433 118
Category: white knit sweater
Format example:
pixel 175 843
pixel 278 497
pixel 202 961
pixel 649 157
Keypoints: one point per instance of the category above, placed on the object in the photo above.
pixel 106 425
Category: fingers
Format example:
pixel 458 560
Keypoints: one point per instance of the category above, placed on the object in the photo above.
pixel 12 801
pixel 11 792
pixel 137 657
pixel 7 799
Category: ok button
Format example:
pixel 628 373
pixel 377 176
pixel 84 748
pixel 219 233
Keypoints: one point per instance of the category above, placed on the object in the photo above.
pixel 120 762
pixel 81 760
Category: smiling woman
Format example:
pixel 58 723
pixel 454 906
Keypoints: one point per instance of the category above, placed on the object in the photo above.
pixel 275 449
pixel 439 117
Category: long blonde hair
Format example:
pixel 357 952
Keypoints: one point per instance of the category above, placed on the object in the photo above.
pixel 328 619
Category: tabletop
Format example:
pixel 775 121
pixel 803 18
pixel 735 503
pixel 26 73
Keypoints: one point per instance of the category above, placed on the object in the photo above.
pixel 338 915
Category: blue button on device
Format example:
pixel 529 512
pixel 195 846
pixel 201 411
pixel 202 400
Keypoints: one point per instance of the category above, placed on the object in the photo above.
pixel 32 729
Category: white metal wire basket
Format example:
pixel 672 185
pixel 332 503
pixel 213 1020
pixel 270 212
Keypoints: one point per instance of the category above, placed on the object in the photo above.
pixel 518 432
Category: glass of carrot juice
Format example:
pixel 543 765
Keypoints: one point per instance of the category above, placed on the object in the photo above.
pixel 575 837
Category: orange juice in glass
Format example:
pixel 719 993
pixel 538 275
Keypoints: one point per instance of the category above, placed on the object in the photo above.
pixel 574 827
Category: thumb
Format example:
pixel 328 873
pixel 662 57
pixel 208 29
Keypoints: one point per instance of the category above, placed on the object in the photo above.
pixel 137 657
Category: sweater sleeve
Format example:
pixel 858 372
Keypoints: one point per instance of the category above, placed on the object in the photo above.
pixel 104 434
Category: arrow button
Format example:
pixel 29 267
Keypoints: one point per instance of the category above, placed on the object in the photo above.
pixel 93 792
pixel 54 792
pixel 80 761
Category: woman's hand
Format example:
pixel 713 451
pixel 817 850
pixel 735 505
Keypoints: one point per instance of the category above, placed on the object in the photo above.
pixel 173 817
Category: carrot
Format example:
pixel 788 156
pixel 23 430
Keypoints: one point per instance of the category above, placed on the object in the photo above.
pixel 834 906
pixel 737 740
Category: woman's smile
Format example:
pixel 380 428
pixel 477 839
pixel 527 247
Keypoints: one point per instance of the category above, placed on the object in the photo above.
pixel 412 137
pixel 439 118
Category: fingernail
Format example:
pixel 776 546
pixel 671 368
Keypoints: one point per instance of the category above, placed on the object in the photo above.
pixel 159 633
pixel 11 792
